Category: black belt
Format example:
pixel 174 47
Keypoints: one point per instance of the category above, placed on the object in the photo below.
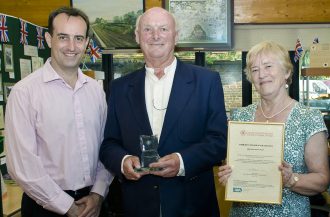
pixel 80 193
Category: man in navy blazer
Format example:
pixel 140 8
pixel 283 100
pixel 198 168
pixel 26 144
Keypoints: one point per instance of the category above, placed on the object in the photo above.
pixel 182 103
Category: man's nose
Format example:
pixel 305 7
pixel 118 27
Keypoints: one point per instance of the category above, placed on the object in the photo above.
pixel 155 34
pixel 72 44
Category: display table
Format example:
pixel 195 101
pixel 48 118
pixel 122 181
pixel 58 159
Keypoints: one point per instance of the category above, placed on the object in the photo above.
pixel 12 201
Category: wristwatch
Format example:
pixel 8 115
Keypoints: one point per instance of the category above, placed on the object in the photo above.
pixel 293 180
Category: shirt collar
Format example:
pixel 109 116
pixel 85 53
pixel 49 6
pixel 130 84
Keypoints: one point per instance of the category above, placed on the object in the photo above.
pixel 49 74
pixel 168 69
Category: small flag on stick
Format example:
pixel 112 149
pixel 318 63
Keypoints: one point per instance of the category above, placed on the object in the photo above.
pixel 298 51
pixel 94 51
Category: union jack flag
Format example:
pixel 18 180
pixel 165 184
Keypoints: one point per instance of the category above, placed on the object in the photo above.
pixel 298 51
pixel 3 29
pixel 24 32
pixel 40 37
pixel 94 51
pixel 316 40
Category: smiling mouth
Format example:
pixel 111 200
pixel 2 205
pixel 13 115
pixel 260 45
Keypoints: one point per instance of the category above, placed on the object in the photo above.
pixel 264 82
pixel 70 54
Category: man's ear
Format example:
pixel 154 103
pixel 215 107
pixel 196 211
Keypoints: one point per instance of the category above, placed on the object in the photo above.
pixel 137 39
pixel 176 37
pixel 48 39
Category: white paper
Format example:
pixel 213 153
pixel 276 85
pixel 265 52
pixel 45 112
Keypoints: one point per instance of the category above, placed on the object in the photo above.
pixel 2 123
pixel 37 62
pixel 30 51
pixel 255 150
pixel 99 75
pixel 11 75
pixel 25 65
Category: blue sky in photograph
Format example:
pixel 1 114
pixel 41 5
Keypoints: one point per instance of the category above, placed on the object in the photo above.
pixel 107 9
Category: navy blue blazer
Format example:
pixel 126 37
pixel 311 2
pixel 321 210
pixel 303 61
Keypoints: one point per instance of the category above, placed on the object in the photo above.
pixel 195 125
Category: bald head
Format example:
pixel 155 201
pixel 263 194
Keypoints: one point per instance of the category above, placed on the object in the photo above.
pixel 156 10
pixel 156 34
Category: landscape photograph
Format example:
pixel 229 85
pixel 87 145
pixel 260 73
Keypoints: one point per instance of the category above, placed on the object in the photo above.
pixel 112 22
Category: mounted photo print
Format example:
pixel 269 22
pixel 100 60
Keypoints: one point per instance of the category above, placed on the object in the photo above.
pixel 8 57
pixel 112 22
pixel 7 86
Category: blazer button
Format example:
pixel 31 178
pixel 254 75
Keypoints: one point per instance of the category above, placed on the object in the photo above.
pixel 193 178
pixel 156 187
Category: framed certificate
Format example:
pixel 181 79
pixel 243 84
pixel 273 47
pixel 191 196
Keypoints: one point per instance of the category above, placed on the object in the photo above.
pixel 255 151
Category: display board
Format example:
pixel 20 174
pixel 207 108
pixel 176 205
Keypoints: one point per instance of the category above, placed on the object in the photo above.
pixel 23 49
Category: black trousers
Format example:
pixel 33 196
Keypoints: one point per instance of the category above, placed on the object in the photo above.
pixel 31 209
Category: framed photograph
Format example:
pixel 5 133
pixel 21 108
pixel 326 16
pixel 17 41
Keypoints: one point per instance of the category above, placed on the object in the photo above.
pixel 7 86
pixel 8 57
pixel 203 24
pixel 112 22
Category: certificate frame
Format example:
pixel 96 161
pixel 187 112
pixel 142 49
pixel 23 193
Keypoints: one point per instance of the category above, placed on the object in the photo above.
pixel 210 23
pixel 255 150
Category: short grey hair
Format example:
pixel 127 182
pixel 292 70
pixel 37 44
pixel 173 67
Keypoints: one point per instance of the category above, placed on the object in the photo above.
pixel 176 24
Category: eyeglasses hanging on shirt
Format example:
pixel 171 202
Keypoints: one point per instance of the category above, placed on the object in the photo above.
pixel 158 107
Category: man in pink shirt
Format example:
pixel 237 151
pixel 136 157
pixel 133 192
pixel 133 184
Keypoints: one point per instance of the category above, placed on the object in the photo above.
pixel 54 127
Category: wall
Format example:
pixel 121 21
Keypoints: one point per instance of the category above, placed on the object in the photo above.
pixel 37 11
pixel 153 3
pixel 245 11
pixel 245 36
pixel 281 11
pixel 34 11
pixel 277 11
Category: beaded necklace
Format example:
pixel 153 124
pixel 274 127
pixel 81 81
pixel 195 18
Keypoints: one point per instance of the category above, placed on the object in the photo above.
pixel 270 117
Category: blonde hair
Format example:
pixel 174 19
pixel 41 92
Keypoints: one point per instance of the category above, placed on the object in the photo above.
pixel 273 48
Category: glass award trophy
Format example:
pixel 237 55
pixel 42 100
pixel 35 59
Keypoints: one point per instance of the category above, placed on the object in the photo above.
pixel 149 153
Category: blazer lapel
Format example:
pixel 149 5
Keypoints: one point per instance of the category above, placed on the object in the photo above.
pixel 136 98
pixel 182 89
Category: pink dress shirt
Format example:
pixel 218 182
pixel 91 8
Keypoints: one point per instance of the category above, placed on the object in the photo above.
pixel 53 134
